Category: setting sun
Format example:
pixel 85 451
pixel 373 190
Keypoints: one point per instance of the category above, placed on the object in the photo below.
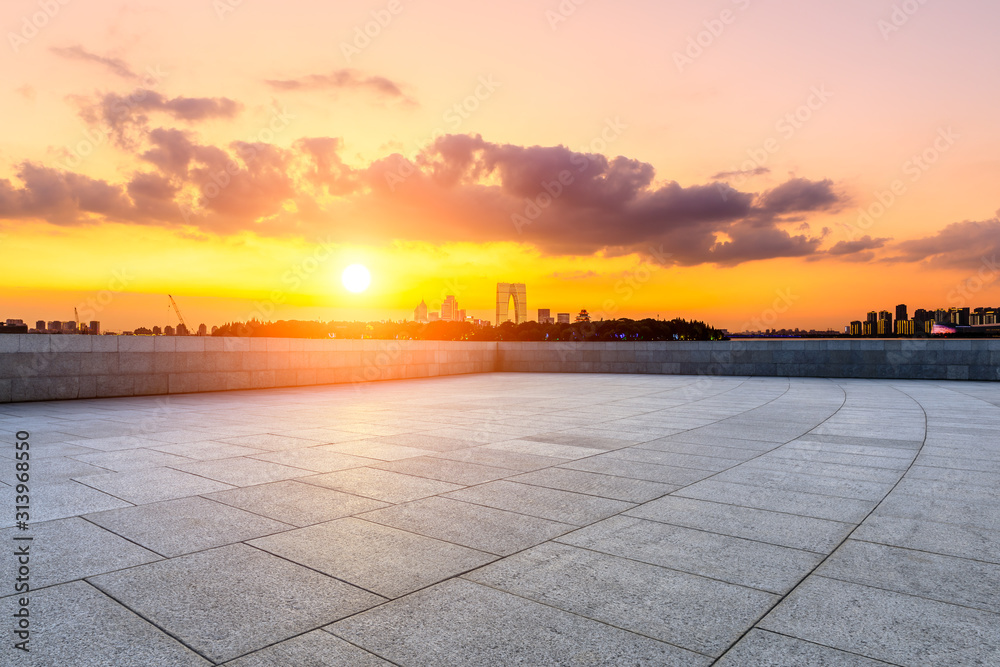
pixel 356 278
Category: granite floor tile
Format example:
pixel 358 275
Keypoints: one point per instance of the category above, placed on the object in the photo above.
pixel 235 599
pixel 958 581
pixel 782 529
pixel 384 485
pixel 883 625
pixel 315 459
pixel 849 510
pixel 483 528
pixel 313 649
pixel 295 502
pixel 500 459
pixel 152 485
pixel 242 471
pixel 731 559
pixel 595 484
pixel 378 558
pixel 459 623
pixel 685 610
pixel 176 527
pixel 445 470
pixel 76 624
pixel 768 649
pixel 546 503
pixel 69 549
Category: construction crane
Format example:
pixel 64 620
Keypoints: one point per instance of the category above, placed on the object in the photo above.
pixel 76 314
pixel 178 311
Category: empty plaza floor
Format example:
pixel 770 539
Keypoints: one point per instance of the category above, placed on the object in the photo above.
pixel 511 519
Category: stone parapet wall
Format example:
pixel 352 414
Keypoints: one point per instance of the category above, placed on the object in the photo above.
pixel 45 367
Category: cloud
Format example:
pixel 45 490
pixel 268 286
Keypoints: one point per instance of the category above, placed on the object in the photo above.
pixel 59 197
pixel 962 245
pixel 126 116
pixel 860 245
pixel 461 188
pixel 800 195
pixel 342 79
pixel 746 173
pixel 116 66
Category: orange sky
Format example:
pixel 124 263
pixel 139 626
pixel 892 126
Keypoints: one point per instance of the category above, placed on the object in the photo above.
pixel 715 158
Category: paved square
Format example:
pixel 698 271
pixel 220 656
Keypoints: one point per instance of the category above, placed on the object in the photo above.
pixel 504 518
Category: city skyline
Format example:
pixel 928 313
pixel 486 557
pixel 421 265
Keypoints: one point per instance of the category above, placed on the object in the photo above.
pixel 691 186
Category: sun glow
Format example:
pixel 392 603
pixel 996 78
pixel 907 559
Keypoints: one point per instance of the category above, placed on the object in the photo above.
pixel 356 278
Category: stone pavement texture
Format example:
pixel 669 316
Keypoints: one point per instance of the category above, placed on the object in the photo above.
pixel 531 519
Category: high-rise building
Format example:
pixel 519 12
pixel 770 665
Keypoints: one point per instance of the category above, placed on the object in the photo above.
pixel 168 330
pixel 905 327
pixel 544 316
pixel 40 325
pixel 461 315
pixel 901 312
pixel 562 318
pixel 959 317
pixel 872 317
pixel 449 309
pixel 55 326
pixel 202 329
pixel 434 317
pixel 856 329
pixel 69 327
pixel 95 328
pixel 506 292
pixel 420 312
pixel 884 327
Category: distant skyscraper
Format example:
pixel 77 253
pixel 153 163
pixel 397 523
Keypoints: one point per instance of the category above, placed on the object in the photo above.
pixel 884 323
pixel 449 309
pixel 856 329
pixel 202 329
pixel 544 316
pixel 168 330
pixel 434 317
pixel 461 316
pixel 872 317
pixel 95 328
pixel 420 312
pixel 55 326
pixel 506 292
pixel 40 325
pixel 901 312
pixel 69 327
pixel 562 318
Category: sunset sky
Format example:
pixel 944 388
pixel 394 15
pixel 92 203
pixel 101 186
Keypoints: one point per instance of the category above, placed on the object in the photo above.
pixel 793 163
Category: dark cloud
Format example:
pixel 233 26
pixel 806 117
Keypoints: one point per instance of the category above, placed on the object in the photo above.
pixel 800 195
pixel 342 79
pixel 61 198
pixel 126 116
pixel 962 245
pixel 460 188
pixel 116 66
pixel 858 246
